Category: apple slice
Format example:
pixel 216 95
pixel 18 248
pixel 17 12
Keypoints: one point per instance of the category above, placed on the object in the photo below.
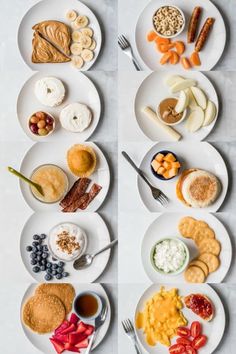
pixel 200 97
pixel 195 120
pixel 210 113
pixel 191 100
pixel 173 79
pixel 182 102
pixel 182 85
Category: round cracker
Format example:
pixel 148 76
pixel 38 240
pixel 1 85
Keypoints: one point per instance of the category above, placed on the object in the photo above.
pixel 200 264
pixel 65 292
pixel 211 261
pixel 200 233
pixel 186 226
pixel 43 313
pixel 194 274
pixel 209 246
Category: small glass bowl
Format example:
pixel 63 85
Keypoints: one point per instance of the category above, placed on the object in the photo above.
pixel 50 132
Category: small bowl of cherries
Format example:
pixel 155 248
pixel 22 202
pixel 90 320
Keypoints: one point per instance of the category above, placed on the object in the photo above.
pixel 41 124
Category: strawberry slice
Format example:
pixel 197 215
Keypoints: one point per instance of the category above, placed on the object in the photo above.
pixel 89 330
pixel 83 344
pixel 59 346
pixel 81 327
pixel 62 326
pixel 69 329
pixel 71 348
pixel 61 337
pixel 75 338
pixel 74 318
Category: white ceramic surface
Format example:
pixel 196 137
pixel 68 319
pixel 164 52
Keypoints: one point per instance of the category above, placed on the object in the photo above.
pixel 97 237
pixel 43 153
pixel 200 155
pixel 79 88
pixel 42 343
pixel 154 89
pixel 211 52
pixel 54 10
pixel 166 225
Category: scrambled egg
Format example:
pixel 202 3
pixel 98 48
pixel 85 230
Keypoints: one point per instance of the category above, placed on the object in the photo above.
pixel 161 317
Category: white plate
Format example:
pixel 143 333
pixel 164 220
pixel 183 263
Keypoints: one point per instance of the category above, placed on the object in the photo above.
pixel 153 90
pixel 210 54
pixel 42 343
pixel 55 153
pixel 79 88
pixel 191 155
pixel 54 10
pixel 97 234
pixel 214 329
pixel 166 225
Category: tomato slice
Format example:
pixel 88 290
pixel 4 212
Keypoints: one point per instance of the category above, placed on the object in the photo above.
pixel 199 342
pixel 177 349
pixel 190 350
pixel 196 329
pixel 183 341
pixel 183 332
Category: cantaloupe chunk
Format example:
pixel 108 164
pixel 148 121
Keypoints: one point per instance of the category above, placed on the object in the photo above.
pixel 169 157
pixel 167 165
pixel 159 157
pixel 155 165
pixel 166 175
pixel 176 164
pixel 151 36
pixel 161 170
pixel 173 172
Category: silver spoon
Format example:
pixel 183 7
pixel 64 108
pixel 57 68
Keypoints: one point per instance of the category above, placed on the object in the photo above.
pixel 87 259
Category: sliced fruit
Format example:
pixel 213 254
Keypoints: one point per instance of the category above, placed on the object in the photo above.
pixel 69 329
pixel 195 329
pixel 80 22
pixel 165 58
pixel 74 318
pixel 160 40
pixel 190 350
pixel 174 59
pixel 77 62
pixel 162 47
pixel 71 15
pixel 71 348
pixel 200 97
pixel 171 80
pixel 85 41
pixel 210 113
pixel 180 47
pixel 182 85
pixel 151 36
pixel 59 346
pixel 61 337
pixel 195 120
pixel 81 327
pixel 76 48
pixel 191 100
pixel 199 342
pixel 75 338
pixel 87 31
pixel 177 349
pixel 76 36
pixel 83 344
pixel 89 330
pixel 195 59
pixel 182 102
pixel 87 55
pixel 183 341
pixel 93 45
pixel 185 63
pixel 183 332
pixel 63 326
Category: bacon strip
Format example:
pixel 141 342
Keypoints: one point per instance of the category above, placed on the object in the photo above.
pixel 76 191
pixel 76 204
pixel 193 24
pixel 94 190
pixel 204 34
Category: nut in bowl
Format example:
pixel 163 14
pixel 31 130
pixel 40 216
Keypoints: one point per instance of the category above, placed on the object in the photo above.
pixel 41 124
pixel 165 165
pixel 169 256
pixel 168 21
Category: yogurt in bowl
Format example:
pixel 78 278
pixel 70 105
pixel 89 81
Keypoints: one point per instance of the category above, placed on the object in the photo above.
pixel 67 242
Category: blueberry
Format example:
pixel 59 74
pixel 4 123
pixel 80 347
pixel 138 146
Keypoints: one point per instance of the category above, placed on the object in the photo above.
pixel 48 277
pixel 54 259
pixel 33 255
pixel 45 255
pixel 49 264
pixel 45 248
pixel 65 274
pixel 43 268
pixel 54 266
pixel 35 243
pixel 39 258
pixel 34 249
pixel 36 269
pixel 36 237
pixel 28 248
pixel 59 270
pixel 59 276
pixel 44 262
pixel 54 272
pixel 49 271
pixel 40 248
pixel 43 236
pixel 33 262
pixel 61 264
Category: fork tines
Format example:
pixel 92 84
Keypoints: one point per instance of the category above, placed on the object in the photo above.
pixel 123 42
pixel 163 199
pixel 128 326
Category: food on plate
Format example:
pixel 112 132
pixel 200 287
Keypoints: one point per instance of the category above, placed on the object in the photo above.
pixel 186 63
pixel 81 160
pixel 209 246
pixel 75 117
pixel 210 113
pixel 165 165
pixel 193 24
pixel 161 317
pixel 62 291
pixel 199 97
pixel 201 305
pixel 77 61
pixel 41 123
pixel 76 191
pixel 211 260
pixel 198 188
pixel 182 85
pixel 168 21
pixel 173 134
pixel 40 259
pixel 50 91
pixel 80 22
pixel 170 256
pixel 194 274
pixel 42 313
pixel 180 47
pixel 204 34
pixel 198 263
pixel 67 241
pixel 44 52
pixel 71 15
pixel 195 59
pixel 195 229
pixel 55 32
pixel 195 120
pixel 87 305
pixel 167 113
pixel 182 102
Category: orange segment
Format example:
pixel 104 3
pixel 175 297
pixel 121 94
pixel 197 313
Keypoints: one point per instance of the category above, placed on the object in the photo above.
pixel 160 40
pixel 165 58
pixel 174 59
pixel 195 59
pixel 163 48
pixel 151 36
pixel 186 63
pixel 180 47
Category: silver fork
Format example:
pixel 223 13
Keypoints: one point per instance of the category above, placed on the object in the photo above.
pixel 126 47
pixel 129 330
pixel 98 323
pixel 156 193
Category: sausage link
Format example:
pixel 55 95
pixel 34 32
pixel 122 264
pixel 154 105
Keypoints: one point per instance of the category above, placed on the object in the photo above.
pixel 193 23
pixel 204 34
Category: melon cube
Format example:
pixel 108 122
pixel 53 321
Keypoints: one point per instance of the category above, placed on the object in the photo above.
pixel 176 164
pixel 167 165
pixel 173 172
pixel 161 170
pixel 159 157
pixel 155 165
pixel 166 175
pixel 170 157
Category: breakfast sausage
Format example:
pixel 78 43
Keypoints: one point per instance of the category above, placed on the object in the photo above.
pixel 204 34
pixel 192 27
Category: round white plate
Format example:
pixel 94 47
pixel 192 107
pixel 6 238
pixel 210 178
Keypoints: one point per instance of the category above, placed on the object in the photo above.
pixel 211 52
pixel 79 88
pixel 54 10
pixel 55 153
pixel 191 155
pixel 153 90
pixel 42 343
pixel 214 329
pixel 166 225
pixel 97 234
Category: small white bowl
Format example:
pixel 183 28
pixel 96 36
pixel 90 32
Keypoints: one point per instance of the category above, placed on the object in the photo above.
pixel 171 124
pixel 176 34
pixel 99 301
pixel 53 126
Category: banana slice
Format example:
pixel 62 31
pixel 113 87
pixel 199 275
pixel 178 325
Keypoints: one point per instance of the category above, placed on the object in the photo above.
pixel 85 41
pixel 77 62
pixel 71 15
pixel 76 48
pixel 87 55
pixel 80 22
pixel 93 45
pixel 87 31
pixel 76 36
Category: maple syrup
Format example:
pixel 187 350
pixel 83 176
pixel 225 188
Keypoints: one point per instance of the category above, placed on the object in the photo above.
pixel 86 305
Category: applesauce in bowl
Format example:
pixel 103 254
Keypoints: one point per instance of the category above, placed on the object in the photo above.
pixel 53 181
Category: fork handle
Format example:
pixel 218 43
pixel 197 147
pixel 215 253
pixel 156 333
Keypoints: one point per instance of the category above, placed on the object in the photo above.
pixel 138 351
pixel 136 64
pixel 91 341
pixel 140 173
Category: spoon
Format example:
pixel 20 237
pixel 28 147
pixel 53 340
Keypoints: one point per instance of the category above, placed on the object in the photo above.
pixel 25 179
pixel 87 259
